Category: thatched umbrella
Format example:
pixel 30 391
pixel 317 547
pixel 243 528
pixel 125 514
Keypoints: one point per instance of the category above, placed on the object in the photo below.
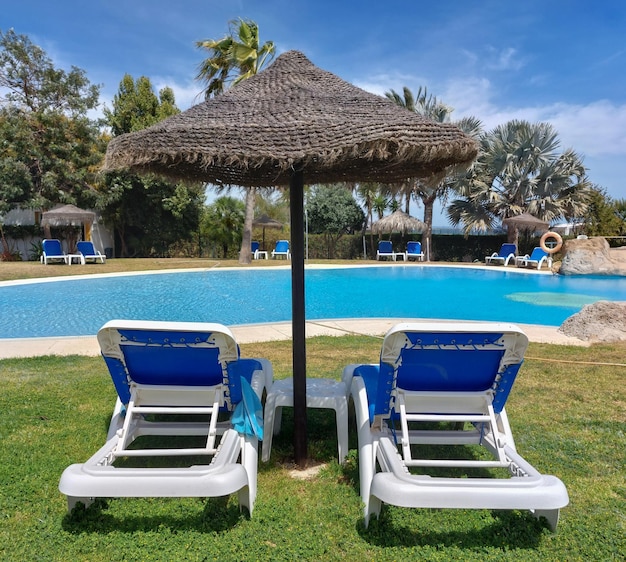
pixel 69 215
pixel 292 121
pixel 526 221
pixel 266 222
pixel 65 215
pixel 398 221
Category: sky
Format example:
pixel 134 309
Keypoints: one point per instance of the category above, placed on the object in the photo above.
pixel 558 61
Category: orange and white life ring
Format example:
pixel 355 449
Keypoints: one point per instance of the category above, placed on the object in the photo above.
pixel 548 235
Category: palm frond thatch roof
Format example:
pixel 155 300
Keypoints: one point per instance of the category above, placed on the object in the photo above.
pixel 293 116
pixel 67 215
pixel 266 222
pixel 525 220
pixel 398 221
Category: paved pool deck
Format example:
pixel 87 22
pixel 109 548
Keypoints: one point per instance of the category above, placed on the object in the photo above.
pixel 252 333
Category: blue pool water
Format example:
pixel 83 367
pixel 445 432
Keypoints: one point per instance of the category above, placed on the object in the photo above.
pixel 80 306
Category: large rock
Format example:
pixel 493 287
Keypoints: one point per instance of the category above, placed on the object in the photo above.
pixel 602 321
pixel 592 256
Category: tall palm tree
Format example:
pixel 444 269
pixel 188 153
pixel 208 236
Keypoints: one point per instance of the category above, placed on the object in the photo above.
pixel 519 169
pixel 429 191
pixel 232 59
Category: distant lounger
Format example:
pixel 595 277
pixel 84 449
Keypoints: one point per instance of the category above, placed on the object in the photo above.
pixel 505 256
pixel 89 253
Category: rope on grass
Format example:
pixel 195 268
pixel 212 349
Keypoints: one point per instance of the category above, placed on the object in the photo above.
pixel 545 359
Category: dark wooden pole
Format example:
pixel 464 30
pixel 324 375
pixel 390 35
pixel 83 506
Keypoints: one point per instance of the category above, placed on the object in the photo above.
pixel 296 198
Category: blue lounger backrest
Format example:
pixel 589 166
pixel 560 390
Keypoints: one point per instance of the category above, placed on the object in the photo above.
pixel 52 247
pixel 254 246
pixel 440 362
pixel 507 249
pixel 86 248
pixel 282 246
pixel 175 358
pixel 537 254
pixel 385 247
pixel 414 247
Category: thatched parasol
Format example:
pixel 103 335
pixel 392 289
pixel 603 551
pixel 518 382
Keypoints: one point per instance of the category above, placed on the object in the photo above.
pixel 69 215
pixel 290 122
pixel 65 215
pixel 398 221
pixel 525 220
pixel 266 222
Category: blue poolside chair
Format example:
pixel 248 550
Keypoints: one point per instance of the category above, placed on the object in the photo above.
pixel 173 379
pixel 281 249
pixel 445 385
pixel 88 252
pixel 537 258
pixel 385 250
pixel 504 256
pixel 53 252
pixel 414 250
pixel 257 253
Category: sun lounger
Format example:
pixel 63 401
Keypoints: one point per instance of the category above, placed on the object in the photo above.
pixel 88 252
pixel 257 253
pixel 504 256
pixel 281 249
pixel 173 379
pixel 385 250
pixel 52 252
pixel 414 250
pixel 536 259
pixel 445 385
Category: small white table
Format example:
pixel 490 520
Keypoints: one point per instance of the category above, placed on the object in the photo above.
pixel 260 254
pixel 72 257
pixel 320 393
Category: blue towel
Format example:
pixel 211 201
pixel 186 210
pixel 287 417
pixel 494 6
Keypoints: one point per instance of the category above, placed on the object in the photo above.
pixel 248 414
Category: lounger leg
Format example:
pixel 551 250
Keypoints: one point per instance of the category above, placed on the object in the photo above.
pixel 341 413
pixel 268 426
pixel 250 460
pixel 551 515
pixel 72 502
pixel 372 507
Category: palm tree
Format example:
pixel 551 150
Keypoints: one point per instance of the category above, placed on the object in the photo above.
pixel 519 169
pixel 429 191
pixel 222 222
pixel 232 59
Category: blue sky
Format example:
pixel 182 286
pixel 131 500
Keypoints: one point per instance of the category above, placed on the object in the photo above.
pixel 561 61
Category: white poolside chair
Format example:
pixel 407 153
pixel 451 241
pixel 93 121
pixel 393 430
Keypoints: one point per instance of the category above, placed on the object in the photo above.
pixel 176 371
pixel 53 252
pixel 536 259
pixel 385 250
pixel 414 250
pixel 458 376
pixel 281 249
pixel 505 256
pixel 89 253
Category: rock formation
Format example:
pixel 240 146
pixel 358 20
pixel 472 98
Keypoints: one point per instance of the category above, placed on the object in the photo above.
pixel 602 321
pixel 592 256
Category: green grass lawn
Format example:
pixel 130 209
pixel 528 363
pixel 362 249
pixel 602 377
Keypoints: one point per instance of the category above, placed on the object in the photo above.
pixel 568 418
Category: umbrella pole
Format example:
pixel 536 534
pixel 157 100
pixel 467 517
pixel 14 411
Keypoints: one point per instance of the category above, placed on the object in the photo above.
pixel 296 198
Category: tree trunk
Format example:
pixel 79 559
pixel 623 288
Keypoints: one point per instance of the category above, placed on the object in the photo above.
pixel 427 235
pixel 512 236
pixel 245 254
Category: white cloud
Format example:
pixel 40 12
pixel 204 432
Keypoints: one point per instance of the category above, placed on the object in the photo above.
pixel 505 59
pixel 186 94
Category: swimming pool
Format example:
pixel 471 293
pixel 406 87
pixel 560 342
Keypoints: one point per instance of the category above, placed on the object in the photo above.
pixel 81 305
